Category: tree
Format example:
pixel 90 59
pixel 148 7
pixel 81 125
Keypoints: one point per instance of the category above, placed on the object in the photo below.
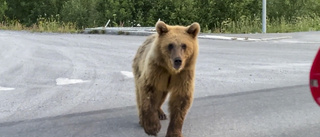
pixel 28 11
pixel 120 12
pixel 82 12
pixel 3 8
pixel 290 9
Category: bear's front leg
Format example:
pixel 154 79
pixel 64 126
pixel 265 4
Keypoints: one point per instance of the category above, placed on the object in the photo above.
pixel 150 118
pixel 179 105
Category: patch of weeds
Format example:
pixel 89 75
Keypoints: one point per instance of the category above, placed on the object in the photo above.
pixel 121 32
pixel 94 32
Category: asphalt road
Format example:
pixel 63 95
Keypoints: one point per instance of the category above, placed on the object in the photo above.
pixel 77 85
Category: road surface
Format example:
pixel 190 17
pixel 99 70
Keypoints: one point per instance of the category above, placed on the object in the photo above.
pixel 81 85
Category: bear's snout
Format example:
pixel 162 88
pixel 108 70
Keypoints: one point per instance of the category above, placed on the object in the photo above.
pixel 177 62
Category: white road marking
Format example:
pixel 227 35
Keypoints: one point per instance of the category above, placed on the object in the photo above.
pixel 5 88
pixel 127 74
pixel 67 81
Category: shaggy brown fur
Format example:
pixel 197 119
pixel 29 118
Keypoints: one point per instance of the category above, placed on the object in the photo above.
pixel 165 63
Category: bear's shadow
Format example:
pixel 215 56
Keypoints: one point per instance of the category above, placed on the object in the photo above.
pixel 111 123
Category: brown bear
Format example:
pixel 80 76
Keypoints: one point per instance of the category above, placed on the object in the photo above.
pixel 165 63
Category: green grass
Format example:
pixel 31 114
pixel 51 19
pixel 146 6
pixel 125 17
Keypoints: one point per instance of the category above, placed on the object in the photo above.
pixel 298 24
pixel 43 25
pixel 53 25
pixel 242 25
pixel 248 25
pixel 12 25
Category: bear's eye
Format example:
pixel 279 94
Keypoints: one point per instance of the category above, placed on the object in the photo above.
pixel 170 46
pixel 184 46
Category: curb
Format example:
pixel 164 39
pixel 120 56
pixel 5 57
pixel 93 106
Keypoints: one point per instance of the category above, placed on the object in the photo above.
pixel 216 37
pixel 141 31
pixel 146 31
pixel 276 38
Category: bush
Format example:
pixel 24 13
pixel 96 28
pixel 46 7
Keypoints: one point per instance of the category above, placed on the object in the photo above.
pixel 3 8
pixel 233 16
pixel 81 12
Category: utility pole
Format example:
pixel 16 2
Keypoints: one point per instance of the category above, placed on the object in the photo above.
pixel 264 16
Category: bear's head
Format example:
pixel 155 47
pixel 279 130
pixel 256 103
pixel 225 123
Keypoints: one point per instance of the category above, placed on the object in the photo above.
pixel 178 45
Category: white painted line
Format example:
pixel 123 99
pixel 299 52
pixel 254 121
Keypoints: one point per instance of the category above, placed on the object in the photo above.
pixel 67 81
pixel 127 74
pixel 5 88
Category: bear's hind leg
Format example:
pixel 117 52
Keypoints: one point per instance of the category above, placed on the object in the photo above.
pixel 138 100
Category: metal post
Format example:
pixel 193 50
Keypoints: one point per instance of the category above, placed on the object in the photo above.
pixel 107 23
pixel 264 16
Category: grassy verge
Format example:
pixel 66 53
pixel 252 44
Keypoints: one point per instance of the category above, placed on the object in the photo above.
pixel 12 25
pixel 53 25
pixel 243 25
pixel 43 25
pixel 248 25
pixel 298 24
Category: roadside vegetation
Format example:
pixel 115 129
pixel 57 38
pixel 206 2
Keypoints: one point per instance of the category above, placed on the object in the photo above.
pixel 214 16
pixel 42 25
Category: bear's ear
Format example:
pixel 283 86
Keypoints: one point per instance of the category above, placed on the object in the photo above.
pixel 194 29
pixel 161 27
